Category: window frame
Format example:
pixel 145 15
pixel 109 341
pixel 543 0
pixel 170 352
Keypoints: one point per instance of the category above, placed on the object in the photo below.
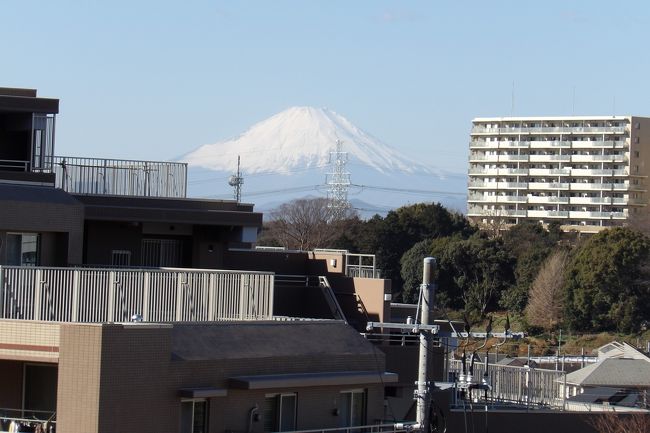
pixel 206 414
pixel 277 422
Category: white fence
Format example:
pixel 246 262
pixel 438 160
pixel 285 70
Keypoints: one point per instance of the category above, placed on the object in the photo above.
pixel 112 295
pixel 534 387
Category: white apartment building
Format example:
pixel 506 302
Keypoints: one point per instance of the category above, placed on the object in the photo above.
pixel 587 172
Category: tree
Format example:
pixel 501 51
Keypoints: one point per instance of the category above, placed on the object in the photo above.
pixel 546 299
pixel 305 224
pixel 530 244
pixel 404 227
pixel 613 422
pixel 447 294
pixel 481 269
pixel 607 284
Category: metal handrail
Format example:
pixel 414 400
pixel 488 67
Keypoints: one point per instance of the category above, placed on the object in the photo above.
pixel 94 295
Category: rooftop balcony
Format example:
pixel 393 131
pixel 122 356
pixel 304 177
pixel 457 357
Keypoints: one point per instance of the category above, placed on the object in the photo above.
pixel 115 295
pixel 101 176
pixel 120 177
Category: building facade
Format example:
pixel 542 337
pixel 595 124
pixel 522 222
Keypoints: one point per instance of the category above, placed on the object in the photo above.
pixel 587 173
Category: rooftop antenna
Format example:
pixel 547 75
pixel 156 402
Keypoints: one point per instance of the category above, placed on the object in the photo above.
pixel 236 181
pixel 338 182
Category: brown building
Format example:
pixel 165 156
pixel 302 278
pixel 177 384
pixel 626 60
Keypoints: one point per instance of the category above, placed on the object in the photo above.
pixel 232 376
pixel 82 246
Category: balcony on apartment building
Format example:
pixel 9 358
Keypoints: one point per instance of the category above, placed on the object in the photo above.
pixel 93 295
pixel 531 128
pixel 27 156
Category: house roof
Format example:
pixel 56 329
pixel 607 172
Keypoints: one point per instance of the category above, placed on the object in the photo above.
pixel 616 349
pixel 265 339
pixel 614 372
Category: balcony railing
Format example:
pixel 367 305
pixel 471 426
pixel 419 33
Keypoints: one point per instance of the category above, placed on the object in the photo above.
pixel 480 129
pixel 109 295
pixel 361 266
pixel 533 387
pixel 120 177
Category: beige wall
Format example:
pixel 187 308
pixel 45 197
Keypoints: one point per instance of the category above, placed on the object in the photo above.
pixel 29 340
pixel 124 378
pixel 79 378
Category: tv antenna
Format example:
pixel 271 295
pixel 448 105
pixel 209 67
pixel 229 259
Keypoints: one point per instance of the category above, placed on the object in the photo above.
pixel 236 181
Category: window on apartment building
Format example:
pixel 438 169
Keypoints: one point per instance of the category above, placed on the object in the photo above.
pixel 161 252
pixel 352 408
pixel 280 412
pixel 23 249
pixel 194 416
pixel 120 258
pixel 636 153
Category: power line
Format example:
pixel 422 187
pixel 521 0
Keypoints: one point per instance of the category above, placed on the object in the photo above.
pixel 408 190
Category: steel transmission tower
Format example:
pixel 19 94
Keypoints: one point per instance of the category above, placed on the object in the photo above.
pixel 236 181
pixel 338 182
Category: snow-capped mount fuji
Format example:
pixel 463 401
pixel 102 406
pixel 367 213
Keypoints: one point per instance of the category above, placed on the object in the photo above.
pixel 287 156
pixel 299 138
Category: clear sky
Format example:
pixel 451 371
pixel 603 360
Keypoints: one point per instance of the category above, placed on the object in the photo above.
pixel 156 79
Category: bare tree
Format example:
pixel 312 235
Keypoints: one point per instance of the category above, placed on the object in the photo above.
pixel 615 422
pixel 546 298
pixel 495 222
pixel 305 224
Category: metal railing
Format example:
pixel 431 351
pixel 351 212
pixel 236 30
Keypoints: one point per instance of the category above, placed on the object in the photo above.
pixel 120 177
pixel 361 266
pixel 115 295
pixel 371 428
pixel 531 387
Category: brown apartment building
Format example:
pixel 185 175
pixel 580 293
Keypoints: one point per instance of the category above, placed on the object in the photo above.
pixel 116 315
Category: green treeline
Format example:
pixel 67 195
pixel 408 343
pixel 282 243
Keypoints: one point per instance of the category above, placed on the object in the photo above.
pixel 591 283
pixel 547 278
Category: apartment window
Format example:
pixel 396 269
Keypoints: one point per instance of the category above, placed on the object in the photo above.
pixel 280 412
pixel 161 252
pixel 194 416
pixel 120 258
pixel 23 249
pixel 636 153
pixel 352 408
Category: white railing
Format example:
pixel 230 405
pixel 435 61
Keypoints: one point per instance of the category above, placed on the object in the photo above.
pixel 115 295
pixel 518 385
pixel 120 177
pixel 361 266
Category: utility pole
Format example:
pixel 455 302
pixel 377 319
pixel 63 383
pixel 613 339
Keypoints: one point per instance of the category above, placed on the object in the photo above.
pixel 427 329
pixel 338 182
pixel 236 181
pixel 423 393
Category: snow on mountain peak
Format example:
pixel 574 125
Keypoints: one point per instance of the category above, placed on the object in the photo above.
pixel 299 138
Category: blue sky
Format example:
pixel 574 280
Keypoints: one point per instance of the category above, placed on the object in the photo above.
pixel 154 80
